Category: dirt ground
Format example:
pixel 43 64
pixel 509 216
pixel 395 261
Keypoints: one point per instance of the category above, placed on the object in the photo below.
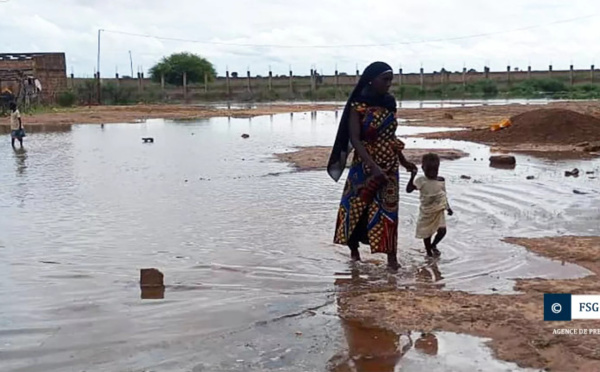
pixel 316 157
pixel 543 131
pixel 460 117
pixel 513 322
pixel 482 117
pixel 136 113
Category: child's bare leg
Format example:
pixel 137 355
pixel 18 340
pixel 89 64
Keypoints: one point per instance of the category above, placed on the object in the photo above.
pixel 428 246
pixel 441 233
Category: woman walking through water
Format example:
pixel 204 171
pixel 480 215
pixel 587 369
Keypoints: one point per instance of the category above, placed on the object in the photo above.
pixel 368 211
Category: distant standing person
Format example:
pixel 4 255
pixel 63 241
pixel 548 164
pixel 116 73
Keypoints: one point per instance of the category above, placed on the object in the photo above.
pixel 368 211
pixel 433 204
pixel 16 126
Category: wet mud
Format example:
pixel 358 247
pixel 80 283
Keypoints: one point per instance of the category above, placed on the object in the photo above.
pixel 316 157
pixel 514 323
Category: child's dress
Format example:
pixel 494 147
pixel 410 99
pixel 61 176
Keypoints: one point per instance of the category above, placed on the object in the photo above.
pixel 433 206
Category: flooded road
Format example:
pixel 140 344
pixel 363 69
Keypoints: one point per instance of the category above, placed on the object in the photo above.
pixel 245 245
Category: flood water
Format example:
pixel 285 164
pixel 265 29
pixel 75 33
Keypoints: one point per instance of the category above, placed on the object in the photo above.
pixel 403 104
pixel 246 247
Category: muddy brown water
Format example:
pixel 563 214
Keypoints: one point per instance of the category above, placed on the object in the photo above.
pixel 245 245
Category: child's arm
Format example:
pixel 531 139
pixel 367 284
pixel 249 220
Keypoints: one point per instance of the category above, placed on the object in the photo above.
pixel 410 187
pixel 410 167
pixel 448 209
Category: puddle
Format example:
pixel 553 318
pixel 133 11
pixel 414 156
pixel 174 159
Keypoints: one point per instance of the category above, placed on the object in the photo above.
pixel 83 210
pixel 374 349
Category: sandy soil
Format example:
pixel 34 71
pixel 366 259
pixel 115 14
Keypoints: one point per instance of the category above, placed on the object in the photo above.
pixel 482 117
pixel 136 113
pixel 513 322
pixel 534 141
pixel 316 157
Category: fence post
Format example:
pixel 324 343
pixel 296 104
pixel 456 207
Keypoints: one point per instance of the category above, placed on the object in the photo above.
pixel 185 86
pixel 117 79
pixel 162 85
pixel 291 82
pixel 270 80
pixel 571 75
pixel 142 81
pixel 72 81
pixel 421 78
pixel 357 76
pixel 336 79
pixel 227 84
pixel 312 80
pixel 528 72
pixel 248 80
pixel 400 77
pixel 486 72
pixel 139 82
pixel 508 75
pixel 592 73
pixel 550 71
pixel 464 77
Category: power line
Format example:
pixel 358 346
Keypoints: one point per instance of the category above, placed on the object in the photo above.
pixel 472 36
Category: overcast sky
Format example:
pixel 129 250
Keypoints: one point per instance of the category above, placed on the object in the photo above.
pixel 413 28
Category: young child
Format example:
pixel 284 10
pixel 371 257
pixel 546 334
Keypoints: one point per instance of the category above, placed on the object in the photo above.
pixel 16 126
pixel 434 203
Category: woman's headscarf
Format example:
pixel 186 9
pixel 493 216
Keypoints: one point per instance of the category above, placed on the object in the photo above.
pixel 361 94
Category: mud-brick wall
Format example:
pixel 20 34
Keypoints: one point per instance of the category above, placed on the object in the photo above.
pixel 25 65
pixel 51 70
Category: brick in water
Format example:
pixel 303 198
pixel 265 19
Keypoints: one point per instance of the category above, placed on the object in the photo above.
pixel 503 160
pixel 151 278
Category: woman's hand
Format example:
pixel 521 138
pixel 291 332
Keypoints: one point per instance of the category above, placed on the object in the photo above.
pixel 410 167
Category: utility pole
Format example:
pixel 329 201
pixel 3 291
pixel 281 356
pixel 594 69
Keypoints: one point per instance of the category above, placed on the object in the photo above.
pixel 131 63
pixel 98 62
pixel 99 89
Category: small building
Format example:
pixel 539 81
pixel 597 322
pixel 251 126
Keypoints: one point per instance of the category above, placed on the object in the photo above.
pixel 41 76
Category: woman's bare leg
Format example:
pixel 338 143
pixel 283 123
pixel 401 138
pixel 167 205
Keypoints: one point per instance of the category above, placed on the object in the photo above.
pixel 393 261
pixel 354 252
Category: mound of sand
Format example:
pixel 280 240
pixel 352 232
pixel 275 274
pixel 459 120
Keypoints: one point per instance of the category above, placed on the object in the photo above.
pixel 543 126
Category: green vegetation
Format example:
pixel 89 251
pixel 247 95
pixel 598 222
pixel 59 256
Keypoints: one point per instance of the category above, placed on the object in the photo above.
pixel 128 92
pixel 66 99
pixel 486 89
pixel 173 67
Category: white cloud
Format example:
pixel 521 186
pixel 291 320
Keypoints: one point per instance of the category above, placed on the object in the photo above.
pixel 71 26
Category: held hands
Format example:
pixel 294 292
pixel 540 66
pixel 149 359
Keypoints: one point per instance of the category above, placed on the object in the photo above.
pixel 410 167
